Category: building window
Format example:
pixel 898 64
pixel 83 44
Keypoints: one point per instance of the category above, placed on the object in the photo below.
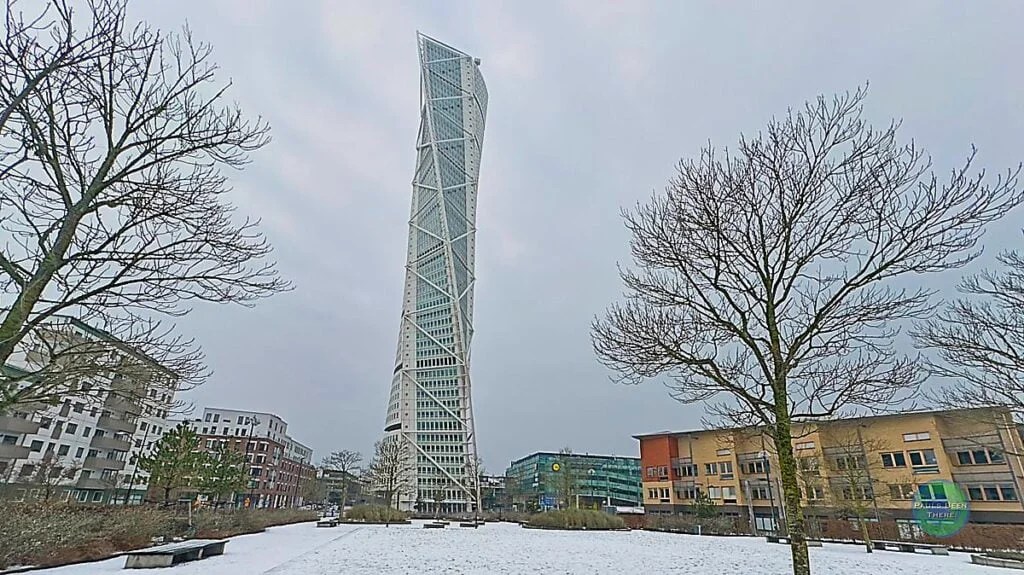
pixel 711 468
pixel 79 407
pixel 46 422
pixel 856 492
pixel 71 428
pixel 921 436
pixel 894 459
pixel 761 492
pixel 756 467
pixel 901 491
pixel 688 470
pixel 725 469
pixel 808 463
pixel 815 493
pixel 689 492
pixel 240 419
pixel 850 462
pixel 79 452
pixel 86 432
pixel 63 450
pixel 932 491
pixel 1004 492
pixel 36 446
pixel 923 461
pixel 729 494
pixel 216 417
pixel 979 457
pixel 664 493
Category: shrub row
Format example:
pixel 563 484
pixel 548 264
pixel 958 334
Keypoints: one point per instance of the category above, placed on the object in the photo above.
pixel 719 525
pixel 48 534
pixel 576 519
pixel 376 514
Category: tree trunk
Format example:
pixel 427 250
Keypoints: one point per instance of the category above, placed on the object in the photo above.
pixel 791 490
pixel 865 534
pixel 20 310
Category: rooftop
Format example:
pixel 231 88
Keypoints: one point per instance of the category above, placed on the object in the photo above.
pixel 846 419
pixel 586 455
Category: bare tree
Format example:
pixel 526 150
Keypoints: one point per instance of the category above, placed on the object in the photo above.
pixel 390 472
pixel 347 462
pixel 853 487
pixel 766 278
pixel 113 140
pixel 49 475
pixel 980 339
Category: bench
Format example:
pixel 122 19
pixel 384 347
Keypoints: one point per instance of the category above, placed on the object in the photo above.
pixel 785 539
pixel 174 553
pixel 472 524
pixel 327 522
pixel 434 525
pixel 910 547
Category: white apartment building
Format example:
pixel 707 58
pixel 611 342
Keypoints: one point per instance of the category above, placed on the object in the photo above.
pixel 84 448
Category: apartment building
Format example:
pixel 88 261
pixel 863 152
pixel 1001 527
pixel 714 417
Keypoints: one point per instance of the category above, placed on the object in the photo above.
pixel 876 463
pixel 278 465
pixel 539 481
pixel 84 447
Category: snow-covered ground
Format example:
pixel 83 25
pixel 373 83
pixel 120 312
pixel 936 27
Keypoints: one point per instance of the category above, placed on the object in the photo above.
pixel 508 549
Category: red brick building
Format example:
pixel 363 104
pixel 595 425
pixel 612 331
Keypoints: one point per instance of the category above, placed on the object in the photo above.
pixel 279 466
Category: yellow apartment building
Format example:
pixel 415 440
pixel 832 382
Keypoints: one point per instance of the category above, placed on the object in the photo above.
pixel 871 466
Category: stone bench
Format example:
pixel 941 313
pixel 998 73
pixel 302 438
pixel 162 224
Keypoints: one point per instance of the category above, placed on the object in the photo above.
pixel 909 547
pixel 174 553
pixel 327 522
pixel 437 525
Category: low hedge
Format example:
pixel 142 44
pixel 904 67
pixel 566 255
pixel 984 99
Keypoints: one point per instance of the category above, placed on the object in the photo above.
pixel 48 534
pixel 376 514
pixel 576 519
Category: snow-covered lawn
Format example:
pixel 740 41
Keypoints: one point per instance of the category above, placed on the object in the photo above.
pixel 508 549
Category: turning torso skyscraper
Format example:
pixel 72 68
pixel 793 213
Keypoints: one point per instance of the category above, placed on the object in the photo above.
pixel 430 408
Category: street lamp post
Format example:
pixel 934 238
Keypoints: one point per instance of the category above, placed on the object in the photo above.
pixel 253 422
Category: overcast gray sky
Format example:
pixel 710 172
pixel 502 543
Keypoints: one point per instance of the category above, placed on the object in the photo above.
pixel 591 105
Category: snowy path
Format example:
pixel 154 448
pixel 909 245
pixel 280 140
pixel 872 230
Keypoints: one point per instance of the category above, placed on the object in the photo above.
pixel 507 549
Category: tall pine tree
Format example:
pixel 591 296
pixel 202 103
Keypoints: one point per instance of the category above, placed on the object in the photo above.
pixel 175 461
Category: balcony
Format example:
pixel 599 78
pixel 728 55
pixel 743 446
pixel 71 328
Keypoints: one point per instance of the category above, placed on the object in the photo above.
pixel 13 451
pixel 109 423
pixel 93 483
pixel 110 443
pixel 101 463
pixel 17 425
pixel 120 404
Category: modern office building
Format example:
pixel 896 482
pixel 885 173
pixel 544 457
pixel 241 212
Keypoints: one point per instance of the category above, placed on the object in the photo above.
pixel 877 463
pixel 278 464
pixel 430 407
pixel 84 448
pixel 548 480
